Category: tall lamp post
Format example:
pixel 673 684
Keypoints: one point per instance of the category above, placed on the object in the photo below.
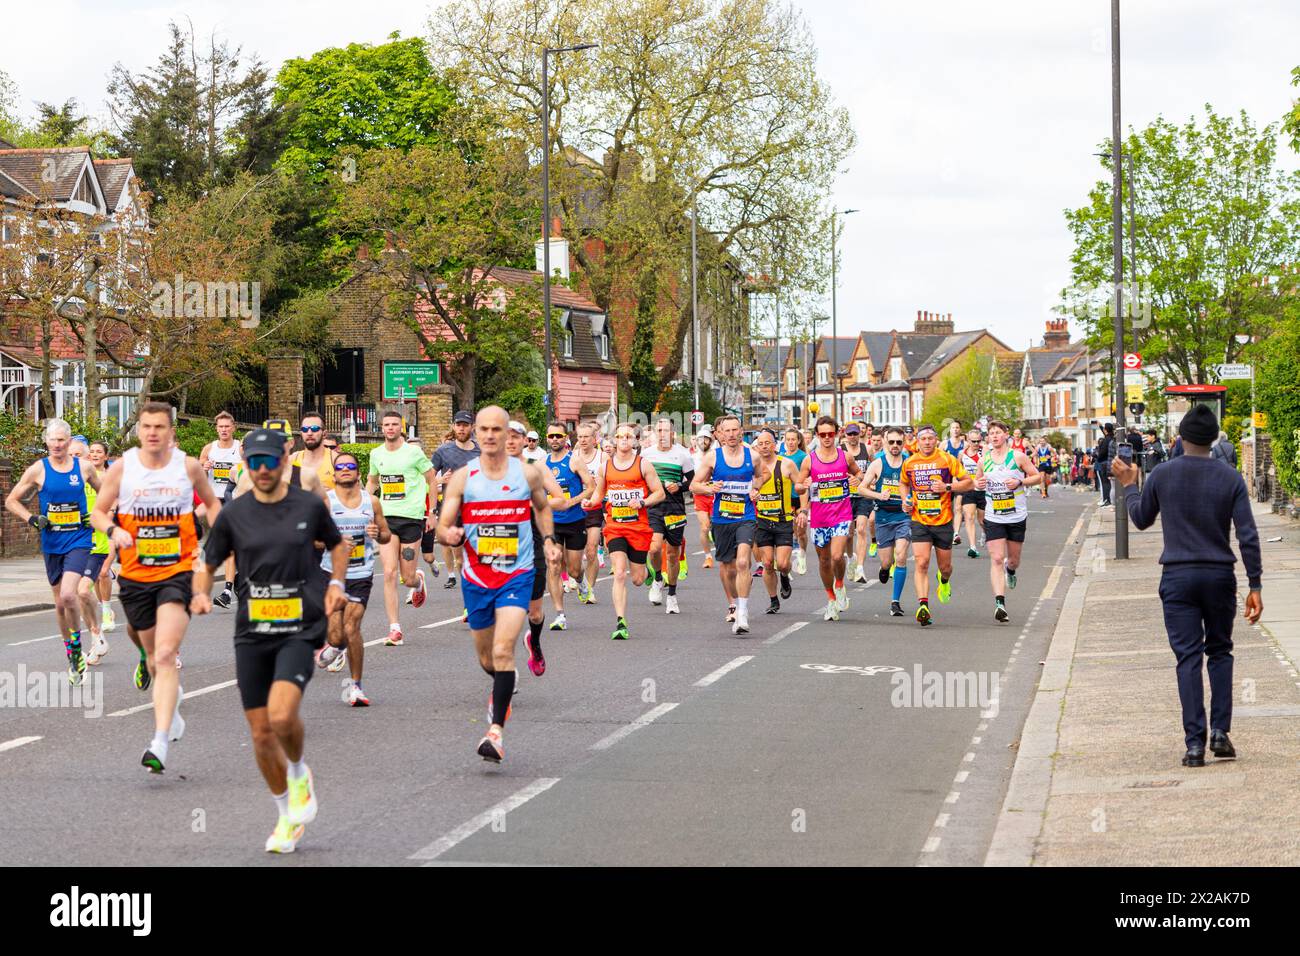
pixel 546 210
pixel 814 321
pixel 1117 233
pixel 835 331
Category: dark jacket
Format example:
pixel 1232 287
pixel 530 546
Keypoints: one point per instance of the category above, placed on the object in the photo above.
pixel 1224 451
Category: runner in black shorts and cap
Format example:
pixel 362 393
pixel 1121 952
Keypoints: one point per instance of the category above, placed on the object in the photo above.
pixel 281 620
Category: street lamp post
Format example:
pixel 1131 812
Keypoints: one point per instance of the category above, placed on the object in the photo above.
pixel 695 309
pixel 1117 233
pixel 835 378
pixel 546 211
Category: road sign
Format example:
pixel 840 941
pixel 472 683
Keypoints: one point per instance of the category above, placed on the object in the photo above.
pixel 1261 419
pixel 1233 371
pixel 1132 361
pixel 697 418
pixel 403 379
pixel 1132 393
pixel 857 411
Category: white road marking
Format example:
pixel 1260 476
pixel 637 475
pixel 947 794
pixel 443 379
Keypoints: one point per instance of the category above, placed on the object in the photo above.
pixel 952 797
pixel 18 742
pixel 467 829
pixel 725 669
pixel 189 695
pixel 968 758
pixel 962 777
pixel 931 845
pixel 785 632
pixel 647 717
pixel 942 819
pixel 35 640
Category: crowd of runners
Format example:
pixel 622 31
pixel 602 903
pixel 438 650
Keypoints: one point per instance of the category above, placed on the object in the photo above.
pixel 299 537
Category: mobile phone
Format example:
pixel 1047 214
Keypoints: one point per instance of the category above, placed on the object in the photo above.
pixel 1126 452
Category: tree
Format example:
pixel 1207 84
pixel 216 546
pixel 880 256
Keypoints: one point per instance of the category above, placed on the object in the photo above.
pixel 971 390
pixel 1277 393
pixel 712 105
pixel 680 399
pixel 59 124
pixel 1215 218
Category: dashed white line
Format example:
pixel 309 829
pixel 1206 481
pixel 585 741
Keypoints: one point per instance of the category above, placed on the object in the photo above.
pixel 962 777
pixel 467 829
pixel 18 742
pixel 35 640
pixel 968 758
pixel 785 632
pixel 942 819
pixel 189 695
pixel 647 717
pixel 952 797
pixel 931 845
pixel 722 671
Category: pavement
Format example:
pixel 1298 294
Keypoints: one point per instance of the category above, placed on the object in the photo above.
pixel 1098 781
pixel 865 741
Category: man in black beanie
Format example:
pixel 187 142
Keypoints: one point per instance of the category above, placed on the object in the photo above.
pixel 1197 498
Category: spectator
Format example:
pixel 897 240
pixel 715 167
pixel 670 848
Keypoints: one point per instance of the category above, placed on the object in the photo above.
pixel 1105 448
pixel 1224 451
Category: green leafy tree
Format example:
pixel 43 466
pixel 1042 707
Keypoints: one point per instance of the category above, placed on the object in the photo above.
pixel 679 398
pixel 1277 393
pixel 1215 218
pixel 969 390
pixel 59 124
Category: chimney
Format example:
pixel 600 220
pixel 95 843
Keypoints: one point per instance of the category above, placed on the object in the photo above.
pixel 1057 335
pixel 933 323
pixel 559 252
pixel 363 252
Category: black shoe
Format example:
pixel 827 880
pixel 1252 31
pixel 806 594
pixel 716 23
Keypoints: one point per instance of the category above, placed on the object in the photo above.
pixel 774 607
pixel 223 599
pixel 451 582
pixel 895 609
pixel 1221 746
pixel 884 575
pixel 1000 613
pixel 786 589
pixel 1195 757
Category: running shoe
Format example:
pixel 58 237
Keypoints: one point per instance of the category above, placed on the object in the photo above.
pixel 850 568
pixel 568 583
pixel 670 605
pixel 731 614
pixel 895 609
pixel 620 632
pixel 945 590
pixel 151 762
pixel 339 662
pixel 742 623
pixel 489 748
pixel 284 837
pixel 923 614
pixel 956 538
pixel 972 553
pixel 434 570
pixel 885 574
pixel 561 623
pixel 450 582
pixel 1011 577
pixel 832 612
pixel 75 674
pixel 408 597
pixel 417 595
pixel 786 588
pixel 708 560
pixel 108 620
pixel 536 660
pixel 223 599
pixel 1000 613
pixel 892 568
pixel 394 638
pixel 591 595
pixel 800 561
pixel 98 650
pixel 656 594
pixel 179 665
pixel 328 655
pixel 682 567
pixel 872 549
pixel 860 575
pixel 600 558
pixel 302 799
pixel 142 676
pixel 583 590
pixel 774 607
pixel 353 695
pixel 842 597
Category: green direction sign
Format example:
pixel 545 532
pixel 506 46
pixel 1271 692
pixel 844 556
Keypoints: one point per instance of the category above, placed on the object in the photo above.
pixel 403 379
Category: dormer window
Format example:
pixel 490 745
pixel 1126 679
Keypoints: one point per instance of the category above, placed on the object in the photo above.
pixel 567 322
pixel 895 368
pixel 600 336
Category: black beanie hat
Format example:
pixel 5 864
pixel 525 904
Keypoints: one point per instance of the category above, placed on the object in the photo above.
pixel 1199 426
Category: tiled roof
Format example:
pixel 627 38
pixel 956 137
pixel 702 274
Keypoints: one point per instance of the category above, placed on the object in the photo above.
pixel 18 337
pixel 1009 366
pixel 1043 361
pixel 45 171
pixel 916 348
pixel 113 174
pixel 584 345
pixel 877 344
pixel 945 352
pixel 561 296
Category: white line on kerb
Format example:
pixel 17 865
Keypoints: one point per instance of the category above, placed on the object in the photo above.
pixel 717 675
pixel 647 717
pixel 18 742
pixel 189 694
pixel 785 632
pixel 467 829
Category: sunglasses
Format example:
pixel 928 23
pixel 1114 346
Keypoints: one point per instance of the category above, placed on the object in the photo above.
pixel 311 428
pixel 557 435
pixel 826 434
pixel 894 441
pixel 345 466
pixel 331 447
pixel 258 462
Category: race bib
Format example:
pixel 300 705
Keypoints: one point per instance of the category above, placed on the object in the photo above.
pixel 158 545
pixel 732 505
pixel 275 608
pixel 624 504
pixel 498 545
pixel 892 491
pixel 928 502
pixel 769 504
pixel 1004 502
pixel 832 492
pixel 221 473
pixel 65 516
pixel 672 521
pixel 357 556
pixel 392 487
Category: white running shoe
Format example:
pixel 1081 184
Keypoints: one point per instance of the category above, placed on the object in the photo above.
pixel 108 620
pixel 656 594
pixel 561 623
pixel 353 695
pixel 408 596
pixel 98 649
pixel 832 612
pixel 731 615
pixel 569 585
pixel 742 623
pixel 800 562
pixel 670 605
pixel 600 558
pixel 340 661
pixel 284 837
pixel 859 575
pixel 328 655
pixel 842 598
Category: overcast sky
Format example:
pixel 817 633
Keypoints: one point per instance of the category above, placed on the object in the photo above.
pixel 976 122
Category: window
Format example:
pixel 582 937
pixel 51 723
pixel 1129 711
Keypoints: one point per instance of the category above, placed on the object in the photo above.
pixel 861 372
pixel 789 379
pixel 822 373
pixel 600 336
pixel 567 322
pixel 896 368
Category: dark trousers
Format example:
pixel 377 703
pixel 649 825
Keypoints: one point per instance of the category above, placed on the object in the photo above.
pixel 1200 604
pixel 1103 479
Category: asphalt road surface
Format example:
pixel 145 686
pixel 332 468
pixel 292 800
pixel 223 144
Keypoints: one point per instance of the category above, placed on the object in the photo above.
pixel 684 745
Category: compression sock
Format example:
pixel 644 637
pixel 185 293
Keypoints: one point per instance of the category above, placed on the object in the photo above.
pixel 297 769
pixel 999 599
pixel 900 576
pixel 503 688
pixel 535 627
pixel 830 593
pixel 672 590
pixel 839 583
pixel 742 605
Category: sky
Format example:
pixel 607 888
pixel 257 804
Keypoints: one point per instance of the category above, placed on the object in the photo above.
pixel 976 123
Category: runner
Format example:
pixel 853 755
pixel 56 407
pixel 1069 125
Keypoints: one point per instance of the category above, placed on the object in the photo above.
pixel 909 440
pixel 973 501
pixel 862 506
pixel 543 571
pixel 401 475
pixel 87 587
pixel 1018 442
pixel 953 445
pixel 893 526
pixel 774 529
pixel 284 605
pixel 831 511
pixel 928 480
pixel 732 475
pixel 60 481
pixel 876 444
pixel 796 450
pixel 314 458
pixel 589 455
pixel 359 516
pixel 218 459
pixel 532 454
pixel 675 467
pixel 1045 460
pixel 570 520
pixel 703 504
pixel 455 452
pixel 628 485
pixel 495 497
pixel 153 488
pixel 1003 475
pixel 99 461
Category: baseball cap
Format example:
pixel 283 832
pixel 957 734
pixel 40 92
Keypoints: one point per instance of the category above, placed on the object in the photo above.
pixel 706 431
pixel 531 436
pixel 852 429
pixel 515 427
pixel 463 418
pixel 264 441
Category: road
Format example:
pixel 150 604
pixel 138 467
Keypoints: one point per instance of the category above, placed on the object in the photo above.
pixel 685 745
